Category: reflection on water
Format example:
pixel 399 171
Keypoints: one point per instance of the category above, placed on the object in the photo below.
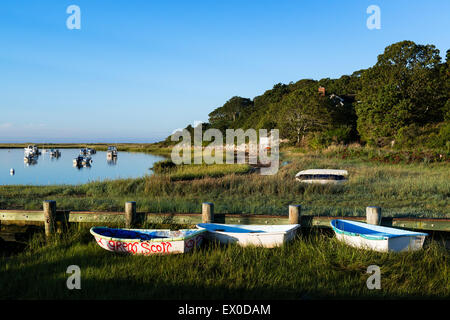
pixel 46 169
pixel 111 161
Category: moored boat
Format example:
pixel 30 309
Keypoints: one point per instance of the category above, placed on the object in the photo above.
pixel 256 235
pixel 54 153
pixel 378 238
pixel 147 241
pixel 111 152
pixel 31 150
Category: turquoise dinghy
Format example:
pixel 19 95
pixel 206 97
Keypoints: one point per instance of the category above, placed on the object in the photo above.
pixel 147 241
pixel 378 238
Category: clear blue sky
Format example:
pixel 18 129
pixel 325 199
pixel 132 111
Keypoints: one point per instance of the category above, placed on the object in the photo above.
pixel 137 70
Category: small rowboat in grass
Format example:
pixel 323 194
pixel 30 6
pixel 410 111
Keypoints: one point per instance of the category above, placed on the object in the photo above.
pixel 322 176
pixel 147 241
pixel 250 235
pixel 377 238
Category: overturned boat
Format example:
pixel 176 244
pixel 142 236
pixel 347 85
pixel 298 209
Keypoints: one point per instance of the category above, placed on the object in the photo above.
pixel 322 176
pixel 377 238
pixel 245 235
pixel 147 241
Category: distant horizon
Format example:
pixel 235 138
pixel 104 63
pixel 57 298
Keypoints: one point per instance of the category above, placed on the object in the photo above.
pixel 96 141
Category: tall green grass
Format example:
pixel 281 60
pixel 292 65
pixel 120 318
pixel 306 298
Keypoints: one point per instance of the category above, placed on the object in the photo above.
pixel 312 266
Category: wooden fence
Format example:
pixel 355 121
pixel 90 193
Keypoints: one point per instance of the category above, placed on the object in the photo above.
pixel 51 218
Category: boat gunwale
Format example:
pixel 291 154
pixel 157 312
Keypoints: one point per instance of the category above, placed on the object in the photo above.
pixel 95 234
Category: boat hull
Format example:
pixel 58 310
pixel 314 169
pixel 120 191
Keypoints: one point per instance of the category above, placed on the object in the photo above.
pixel 169 245
pixel 377 238
pixel 397 244
pixel 268 239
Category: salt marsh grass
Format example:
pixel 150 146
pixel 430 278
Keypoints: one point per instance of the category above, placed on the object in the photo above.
pixel 312 266
pixel 415 190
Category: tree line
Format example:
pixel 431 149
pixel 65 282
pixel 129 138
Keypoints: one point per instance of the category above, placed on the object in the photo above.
pixel 401 101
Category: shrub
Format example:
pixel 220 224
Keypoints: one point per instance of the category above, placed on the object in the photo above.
pixel 163 166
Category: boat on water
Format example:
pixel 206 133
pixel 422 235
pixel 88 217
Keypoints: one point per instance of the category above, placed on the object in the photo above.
pixel 268 236
pixel 32 150
pixel 378 238
pixel 322 176
pixel 54 153
pixel 147 241
pixel 111 152
pixel 80 161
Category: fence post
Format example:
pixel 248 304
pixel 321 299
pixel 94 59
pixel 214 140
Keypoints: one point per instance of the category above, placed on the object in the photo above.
pixel 130 213
pixel 207 212
pixel 49 217
pixel 373 215
pixel 294 213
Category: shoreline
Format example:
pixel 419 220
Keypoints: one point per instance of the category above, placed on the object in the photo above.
pixel 154 148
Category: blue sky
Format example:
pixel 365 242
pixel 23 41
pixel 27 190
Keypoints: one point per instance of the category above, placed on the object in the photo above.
pixel 137 70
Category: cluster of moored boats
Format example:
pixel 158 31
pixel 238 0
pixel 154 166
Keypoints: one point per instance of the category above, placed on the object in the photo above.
pixel 84 159
pixel 162 241
pixel 32 153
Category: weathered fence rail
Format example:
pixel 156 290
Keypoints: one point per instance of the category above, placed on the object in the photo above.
pixel 50 217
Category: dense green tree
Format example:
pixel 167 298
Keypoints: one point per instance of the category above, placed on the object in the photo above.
pixel 403 97
pixel 403 88
pixel 227 116
pixel 302 112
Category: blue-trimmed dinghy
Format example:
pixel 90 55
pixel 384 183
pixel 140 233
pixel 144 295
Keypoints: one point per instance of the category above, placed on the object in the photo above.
pixel 378 238
pixel 147 241
pixel 268 236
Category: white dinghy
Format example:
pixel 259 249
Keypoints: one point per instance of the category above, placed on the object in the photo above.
pixel 245 235
pixel 377 238
pixel 322 176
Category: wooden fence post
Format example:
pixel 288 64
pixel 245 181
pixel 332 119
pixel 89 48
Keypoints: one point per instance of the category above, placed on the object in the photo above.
pixel 130 213
pixel 373 215
pixel 207 212
pixel 49 217
pixel 294 213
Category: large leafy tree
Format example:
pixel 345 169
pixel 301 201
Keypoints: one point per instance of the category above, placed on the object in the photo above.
pixel 401 89
pixel 302 112
pixel 227 116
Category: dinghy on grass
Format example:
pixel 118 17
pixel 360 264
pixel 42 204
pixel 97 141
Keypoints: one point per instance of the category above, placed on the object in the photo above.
pixel 245 235
pixel 322 176
pixel 378 238
pixel 147 241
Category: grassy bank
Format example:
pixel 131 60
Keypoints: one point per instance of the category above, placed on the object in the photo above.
pixel 312 266
pixel 414 189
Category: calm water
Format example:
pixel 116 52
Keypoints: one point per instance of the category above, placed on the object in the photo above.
pixel 49 171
